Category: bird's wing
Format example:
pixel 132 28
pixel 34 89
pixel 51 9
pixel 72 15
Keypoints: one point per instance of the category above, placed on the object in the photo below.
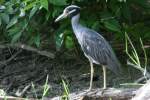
pixel 98 50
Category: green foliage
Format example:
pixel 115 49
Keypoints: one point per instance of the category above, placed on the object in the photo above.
pixel 44 3
pixel 59 40
pixel 29 21
pixel 46 88
pixel 113 25
pixel 134 56
pixel 58 2
pixel 66 91
pixel 69 42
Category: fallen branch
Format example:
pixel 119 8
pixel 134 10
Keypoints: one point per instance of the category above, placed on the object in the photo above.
pixel 141 79
pixel 28 48
pixel 11 58
pixel 99 94
pixel 10 98
pixel 143 93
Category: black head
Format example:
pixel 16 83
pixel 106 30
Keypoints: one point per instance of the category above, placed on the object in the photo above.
pixel 72 10
pixel 69 11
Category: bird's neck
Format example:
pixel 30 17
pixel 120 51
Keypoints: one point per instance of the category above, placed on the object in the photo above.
pixel 77 27
pixel 75 22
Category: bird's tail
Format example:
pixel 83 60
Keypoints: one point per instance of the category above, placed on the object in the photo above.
pixel 114 65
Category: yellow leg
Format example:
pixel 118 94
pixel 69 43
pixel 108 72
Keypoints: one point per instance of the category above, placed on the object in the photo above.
pixel 104 77
pixel 91 80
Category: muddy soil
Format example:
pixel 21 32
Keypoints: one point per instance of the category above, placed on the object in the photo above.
pixel 25 75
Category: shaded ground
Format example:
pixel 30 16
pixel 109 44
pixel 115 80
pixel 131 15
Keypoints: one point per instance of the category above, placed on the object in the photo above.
pixel 25 75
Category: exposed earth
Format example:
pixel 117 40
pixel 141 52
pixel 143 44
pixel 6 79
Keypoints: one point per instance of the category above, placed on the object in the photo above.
pixel 25 75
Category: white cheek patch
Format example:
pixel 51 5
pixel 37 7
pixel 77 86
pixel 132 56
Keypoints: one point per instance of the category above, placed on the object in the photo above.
pixel 72 11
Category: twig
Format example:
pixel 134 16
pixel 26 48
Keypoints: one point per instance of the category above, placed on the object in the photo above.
pixel 12 98
pixel 140 79
pixel 11 58
pixel 147 74
pixel 16 72
pixel 18 93
pixel 29 48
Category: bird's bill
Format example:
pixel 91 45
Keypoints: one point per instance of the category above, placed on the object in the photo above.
pixel 62 16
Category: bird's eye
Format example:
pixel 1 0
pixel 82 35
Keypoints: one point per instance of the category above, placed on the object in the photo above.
pixel 67 11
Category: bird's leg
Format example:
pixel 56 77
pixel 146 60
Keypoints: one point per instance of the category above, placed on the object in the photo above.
pixel 104 77
pixel 91 80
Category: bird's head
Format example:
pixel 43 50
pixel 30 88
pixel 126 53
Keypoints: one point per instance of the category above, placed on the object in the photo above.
pixel 69 11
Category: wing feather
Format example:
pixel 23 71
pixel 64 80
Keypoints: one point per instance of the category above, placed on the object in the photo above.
pixel 97 49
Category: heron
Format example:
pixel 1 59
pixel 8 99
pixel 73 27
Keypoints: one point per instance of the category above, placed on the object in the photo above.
pixel 95 47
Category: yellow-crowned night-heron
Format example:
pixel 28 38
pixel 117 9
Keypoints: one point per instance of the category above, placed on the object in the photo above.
pixel 94 46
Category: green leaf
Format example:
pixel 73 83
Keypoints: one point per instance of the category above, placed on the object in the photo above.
pixel 12 31
pixel 58 2
pixel 105 15
pixel 44 3
pixel 59 35
pixel 0 21
pixel 69 44
pixel 56 11
pixel 47 16
pixel 5 18
pixel 16 37
pixel 142 3
pixel 37 40
pixel 33 11
pixel 59 38
pixel 26 1
pixel 112 25
pixel 10 9
pixel 2 1
pixel 31 5
pixel 126 11
pixel 96 25
pixel 12 22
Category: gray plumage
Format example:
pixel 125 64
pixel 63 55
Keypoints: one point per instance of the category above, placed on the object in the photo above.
pixel 94 46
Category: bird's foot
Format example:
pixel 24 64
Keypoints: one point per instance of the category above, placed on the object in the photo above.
pixel 88 90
